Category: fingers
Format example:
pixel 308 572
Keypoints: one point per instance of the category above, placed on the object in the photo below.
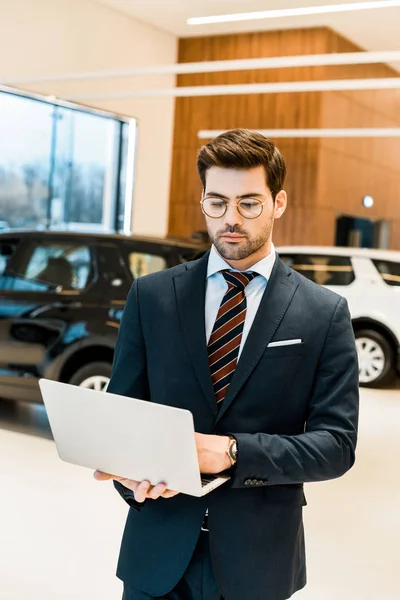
pixel 169 494
pixel 146 491
pixel 142 490
pixel 100 476
pixel 157 491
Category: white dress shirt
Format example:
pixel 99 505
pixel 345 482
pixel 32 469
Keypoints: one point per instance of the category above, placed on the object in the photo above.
pixel 216 287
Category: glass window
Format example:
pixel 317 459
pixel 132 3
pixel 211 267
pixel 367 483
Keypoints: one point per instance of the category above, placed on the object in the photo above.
pixel 85 170
pixel 53 265
pixel 63 167
pixel 390 271
pixel 324 270
pixel 25 142
pixel 141 263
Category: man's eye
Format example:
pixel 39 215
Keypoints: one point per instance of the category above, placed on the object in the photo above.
pixel 249 204
pixel 216 203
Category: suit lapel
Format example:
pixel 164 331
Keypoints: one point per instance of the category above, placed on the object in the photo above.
pixel 274 304
pixel 190 290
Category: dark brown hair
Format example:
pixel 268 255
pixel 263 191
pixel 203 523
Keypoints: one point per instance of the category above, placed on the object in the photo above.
pixel 243 149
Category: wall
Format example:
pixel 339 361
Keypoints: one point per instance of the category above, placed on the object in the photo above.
pixel 47 37
pixel 349 169
pixel 319 186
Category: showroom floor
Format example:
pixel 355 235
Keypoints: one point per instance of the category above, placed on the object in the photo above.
pixel 60 530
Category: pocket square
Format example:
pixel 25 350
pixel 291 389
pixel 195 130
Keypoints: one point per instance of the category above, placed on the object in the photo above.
pixel 285 343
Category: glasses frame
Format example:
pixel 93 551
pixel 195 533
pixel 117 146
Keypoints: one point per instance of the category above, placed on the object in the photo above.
pixel 236 204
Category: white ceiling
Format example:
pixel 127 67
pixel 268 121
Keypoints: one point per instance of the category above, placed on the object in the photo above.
pixel 376 29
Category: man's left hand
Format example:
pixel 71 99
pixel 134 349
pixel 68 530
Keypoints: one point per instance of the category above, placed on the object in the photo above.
pixel 211 452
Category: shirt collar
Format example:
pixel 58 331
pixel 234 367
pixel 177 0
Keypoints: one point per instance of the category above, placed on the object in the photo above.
pixel 263 267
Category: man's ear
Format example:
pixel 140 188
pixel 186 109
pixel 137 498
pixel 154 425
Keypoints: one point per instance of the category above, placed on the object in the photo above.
pixel 280 204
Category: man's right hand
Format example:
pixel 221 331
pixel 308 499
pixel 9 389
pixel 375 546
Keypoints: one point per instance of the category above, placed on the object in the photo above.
pixel 142 490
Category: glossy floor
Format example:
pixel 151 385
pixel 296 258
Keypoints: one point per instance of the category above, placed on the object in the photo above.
pixel 60 530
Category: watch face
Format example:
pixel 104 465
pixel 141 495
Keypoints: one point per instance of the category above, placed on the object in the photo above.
pixel 233 450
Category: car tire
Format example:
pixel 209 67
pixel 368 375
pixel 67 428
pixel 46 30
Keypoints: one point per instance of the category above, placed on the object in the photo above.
pixel 94 376
pixel 376 359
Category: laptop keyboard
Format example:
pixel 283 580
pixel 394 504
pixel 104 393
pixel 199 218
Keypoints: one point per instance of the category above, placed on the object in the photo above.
pixel 205 479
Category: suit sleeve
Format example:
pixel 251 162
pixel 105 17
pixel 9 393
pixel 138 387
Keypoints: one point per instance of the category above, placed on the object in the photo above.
pixel 326 449
pixel 129 372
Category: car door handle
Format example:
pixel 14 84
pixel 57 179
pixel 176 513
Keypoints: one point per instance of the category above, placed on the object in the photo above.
pixel 117 282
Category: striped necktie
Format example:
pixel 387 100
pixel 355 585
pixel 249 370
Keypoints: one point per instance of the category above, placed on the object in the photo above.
pixel 224 343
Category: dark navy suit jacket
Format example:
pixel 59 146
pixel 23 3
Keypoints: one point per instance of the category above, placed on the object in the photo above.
pixel 293 410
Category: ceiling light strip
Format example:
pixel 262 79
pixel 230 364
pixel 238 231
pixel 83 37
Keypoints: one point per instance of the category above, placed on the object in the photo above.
pixel 364 132
pixel 294 12
pixel 250 88
pixel 274 62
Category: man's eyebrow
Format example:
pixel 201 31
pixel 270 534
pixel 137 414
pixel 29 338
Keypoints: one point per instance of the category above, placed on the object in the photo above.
pixel 242 197
pixel 216 195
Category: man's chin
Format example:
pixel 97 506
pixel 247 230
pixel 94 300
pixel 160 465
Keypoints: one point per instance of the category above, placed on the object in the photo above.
pixel 232 251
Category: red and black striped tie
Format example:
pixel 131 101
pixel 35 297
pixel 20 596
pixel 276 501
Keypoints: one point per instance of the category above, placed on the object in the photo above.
pixel 226 336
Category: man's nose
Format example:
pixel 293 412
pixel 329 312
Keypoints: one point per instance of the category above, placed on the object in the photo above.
pixel 232 216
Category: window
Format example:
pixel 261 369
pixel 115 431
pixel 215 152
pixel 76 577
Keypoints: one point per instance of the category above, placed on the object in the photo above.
pixel 59 264
pixel 390 271
pixel 324 270
pixel 63 166
pixel 25 143
pixel 7 251
pixel 141 263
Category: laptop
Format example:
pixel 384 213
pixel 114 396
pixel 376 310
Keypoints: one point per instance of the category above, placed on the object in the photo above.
pixel 126 437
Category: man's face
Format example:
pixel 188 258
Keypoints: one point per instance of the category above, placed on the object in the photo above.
pixel 234 236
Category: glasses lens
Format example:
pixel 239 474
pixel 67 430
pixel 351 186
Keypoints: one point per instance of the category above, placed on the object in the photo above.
pixel 214 207
pixel 250 209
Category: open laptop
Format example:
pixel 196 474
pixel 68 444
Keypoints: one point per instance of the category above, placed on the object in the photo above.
pixel 126 437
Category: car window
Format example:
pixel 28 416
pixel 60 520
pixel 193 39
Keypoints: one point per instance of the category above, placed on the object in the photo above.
pixel 390 271
pixel 7 251
pixel 141 263
pixel 324 270
pixel 66 265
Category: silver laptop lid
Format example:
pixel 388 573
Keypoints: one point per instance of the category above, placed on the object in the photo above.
pixel 123 436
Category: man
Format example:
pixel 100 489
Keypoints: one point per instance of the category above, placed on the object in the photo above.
pixel 266 362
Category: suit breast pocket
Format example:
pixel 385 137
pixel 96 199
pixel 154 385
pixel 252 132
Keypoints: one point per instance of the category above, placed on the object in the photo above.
pixel 284 351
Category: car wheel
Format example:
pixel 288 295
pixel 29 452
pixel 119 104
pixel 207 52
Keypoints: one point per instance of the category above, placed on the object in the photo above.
pixel 95 376
pixel 375 357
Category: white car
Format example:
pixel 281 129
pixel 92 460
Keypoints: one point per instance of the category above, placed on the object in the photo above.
pixel 370 281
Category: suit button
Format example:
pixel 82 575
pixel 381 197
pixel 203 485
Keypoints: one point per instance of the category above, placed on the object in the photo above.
pixel 259 483
pixel 253 482
pixel 247 482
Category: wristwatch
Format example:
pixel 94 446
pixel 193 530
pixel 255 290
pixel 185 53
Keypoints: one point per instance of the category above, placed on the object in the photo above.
pixel 232 451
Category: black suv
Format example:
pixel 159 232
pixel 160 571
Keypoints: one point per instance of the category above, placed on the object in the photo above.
pixel 61 301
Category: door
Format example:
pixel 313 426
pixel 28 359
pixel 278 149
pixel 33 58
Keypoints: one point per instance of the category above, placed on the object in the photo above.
pixel 354 232
pixel 46 303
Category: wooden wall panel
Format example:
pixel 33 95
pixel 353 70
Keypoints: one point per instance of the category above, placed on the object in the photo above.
pixel 349 169
pixel 319 171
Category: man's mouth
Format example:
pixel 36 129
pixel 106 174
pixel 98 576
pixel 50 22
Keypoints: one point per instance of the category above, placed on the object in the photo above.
pixel 232 236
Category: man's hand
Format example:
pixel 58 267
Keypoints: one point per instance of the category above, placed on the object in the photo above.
pixel 211 452
pixel 212 456
pixel 142 490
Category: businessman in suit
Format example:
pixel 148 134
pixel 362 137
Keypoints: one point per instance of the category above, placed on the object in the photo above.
pixel 266 361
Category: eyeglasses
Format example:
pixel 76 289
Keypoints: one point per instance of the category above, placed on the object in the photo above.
pixel 249 208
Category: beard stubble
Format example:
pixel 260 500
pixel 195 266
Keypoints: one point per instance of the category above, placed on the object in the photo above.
pixel 244 249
